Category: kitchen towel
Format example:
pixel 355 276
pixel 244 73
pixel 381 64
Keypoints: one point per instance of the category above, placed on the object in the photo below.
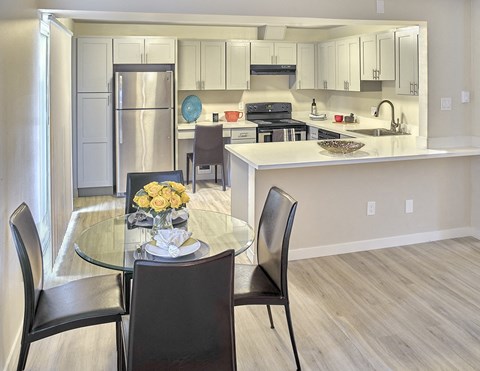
pixel 283 135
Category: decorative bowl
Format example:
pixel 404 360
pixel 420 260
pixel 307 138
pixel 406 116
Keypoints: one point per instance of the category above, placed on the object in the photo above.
pixel 340 146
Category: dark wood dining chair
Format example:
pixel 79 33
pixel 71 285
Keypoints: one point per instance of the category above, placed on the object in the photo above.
pixel 207 150
pixel 182 316
pixel 84 302
pixel 136 181
pixel 266 282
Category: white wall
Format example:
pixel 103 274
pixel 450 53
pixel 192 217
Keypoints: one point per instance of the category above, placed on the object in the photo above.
pixel 18 158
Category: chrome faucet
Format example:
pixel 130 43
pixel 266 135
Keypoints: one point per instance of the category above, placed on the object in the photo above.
pixel 394 126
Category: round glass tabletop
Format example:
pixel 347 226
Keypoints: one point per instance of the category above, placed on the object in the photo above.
pixel 116 244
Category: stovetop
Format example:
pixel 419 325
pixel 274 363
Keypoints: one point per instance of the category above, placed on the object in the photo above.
pixel 272 114
pixel 279 122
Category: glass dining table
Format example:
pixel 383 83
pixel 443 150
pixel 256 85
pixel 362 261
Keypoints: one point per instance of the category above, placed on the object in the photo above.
pixel 117 242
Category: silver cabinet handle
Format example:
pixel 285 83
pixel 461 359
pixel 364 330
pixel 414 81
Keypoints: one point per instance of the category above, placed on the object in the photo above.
pixel 411 88
pixel 374 71
pixel 243 135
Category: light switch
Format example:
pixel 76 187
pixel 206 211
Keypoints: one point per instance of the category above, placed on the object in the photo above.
pixel 380 6
pixel 446 104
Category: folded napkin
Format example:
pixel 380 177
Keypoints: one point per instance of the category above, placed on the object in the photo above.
pixel 179 215
pixel 171 239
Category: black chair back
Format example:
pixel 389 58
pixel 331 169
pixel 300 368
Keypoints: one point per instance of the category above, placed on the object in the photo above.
pixel 136 181
pixel 29 250
pixel 182 315
pixel 208 145
pixel 274 229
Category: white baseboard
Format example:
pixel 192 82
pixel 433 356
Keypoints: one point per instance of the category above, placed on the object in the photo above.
pixel 12 359
pixel 380 243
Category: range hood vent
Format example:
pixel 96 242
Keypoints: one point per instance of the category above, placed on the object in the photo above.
pixel 273 69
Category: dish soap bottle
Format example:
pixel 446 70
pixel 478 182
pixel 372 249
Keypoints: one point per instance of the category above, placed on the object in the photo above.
pixel 314 108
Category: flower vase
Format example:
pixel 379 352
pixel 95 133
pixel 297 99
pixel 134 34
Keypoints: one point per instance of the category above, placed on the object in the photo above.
pixel 163 220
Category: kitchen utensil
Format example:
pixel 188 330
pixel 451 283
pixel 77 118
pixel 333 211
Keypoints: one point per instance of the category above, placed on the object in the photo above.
pixel 233 116
pixel 350 118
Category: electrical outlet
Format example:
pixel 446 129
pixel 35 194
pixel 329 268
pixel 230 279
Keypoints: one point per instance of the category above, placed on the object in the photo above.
pixel 373 110
pixel 408 206
pixel 241 105
pixel 370 208
pixel 446 104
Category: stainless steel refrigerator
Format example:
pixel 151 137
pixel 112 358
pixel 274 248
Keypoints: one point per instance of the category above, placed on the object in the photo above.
pixel 144 103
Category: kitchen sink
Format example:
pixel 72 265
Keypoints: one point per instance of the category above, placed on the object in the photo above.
pixel 377 132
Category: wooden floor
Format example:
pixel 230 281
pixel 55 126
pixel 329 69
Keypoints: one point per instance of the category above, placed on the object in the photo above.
pixel 407 308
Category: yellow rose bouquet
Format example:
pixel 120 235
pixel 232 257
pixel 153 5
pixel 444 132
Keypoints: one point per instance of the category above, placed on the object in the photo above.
pixel 156 197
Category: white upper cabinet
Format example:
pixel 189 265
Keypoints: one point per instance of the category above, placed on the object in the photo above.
pixel 305 74
pixel 201 65
pixel 378 56
pixel 160 50
pixel 326 65
pixel 139 50
pixel 94 65
pixel 238 65
pixel 406 81
pixel 266 52
pixel 348 64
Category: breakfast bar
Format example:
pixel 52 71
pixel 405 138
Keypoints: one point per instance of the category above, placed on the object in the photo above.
pixel 333 191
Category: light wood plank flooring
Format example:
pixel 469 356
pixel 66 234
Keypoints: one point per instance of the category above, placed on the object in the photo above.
pixel 407 308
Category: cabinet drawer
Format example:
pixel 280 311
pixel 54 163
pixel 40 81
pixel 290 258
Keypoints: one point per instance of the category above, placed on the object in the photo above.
pixel 244 134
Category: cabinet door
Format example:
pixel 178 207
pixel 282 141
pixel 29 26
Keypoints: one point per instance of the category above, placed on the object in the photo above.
pixel 94 140
pixel 128 50
pixel 348 64
pixel 212 65
pixel 326 65
pixel 386 56
pixel 262 52
pixel 159 50
pixel 94 65
pixel 238 65
pixel 305 66
pixel 285 53
pixel 406 81
pixel 188 65
pixel 368 57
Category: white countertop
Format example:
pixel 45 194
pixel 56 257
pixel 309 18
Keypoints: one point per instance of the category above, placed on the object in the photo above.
pixel 240 124
pixel 282 155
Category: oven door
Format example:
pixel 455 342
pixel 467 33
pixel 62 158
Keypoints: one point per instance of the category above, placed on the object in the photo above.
pixel 265 135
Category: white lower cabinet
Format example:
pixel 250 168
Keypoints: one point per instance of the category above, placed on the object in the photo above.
pixel 243 136
pixel 94 140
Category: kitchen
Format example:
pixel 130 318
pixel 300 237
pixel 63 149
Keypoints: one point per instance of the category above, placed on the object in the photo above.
pixel 257 88
pixel 451 24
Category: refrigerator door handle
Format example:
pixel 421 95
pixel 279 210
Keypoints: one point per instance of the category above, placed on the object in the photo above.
pixel 120 91
pixel 120 128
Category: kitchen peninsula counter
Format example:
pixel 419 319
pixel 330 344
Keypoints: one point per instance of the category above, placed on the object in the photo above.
pixel 333 191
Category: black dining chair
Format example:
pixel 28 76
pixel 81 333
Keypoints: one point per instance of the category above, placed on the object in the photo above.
pixel 136 181
pixel 84 302
pixel 181 315
pixel 207 150
pixel 265 283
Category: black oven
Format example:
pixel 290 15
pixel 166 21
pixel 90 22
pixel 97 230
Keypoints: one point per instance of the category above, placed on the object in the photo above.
pixel 267 134
pixel 274 122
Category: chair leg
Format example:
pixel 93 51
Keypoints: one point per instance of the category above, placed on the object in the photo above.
pixel 292 337
pixel 127 281
pixel 188 169
pixel 270 316
pixel 194 176
pixel 224 180
pixel 22 359
pixel 120 358
pixel 216 178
